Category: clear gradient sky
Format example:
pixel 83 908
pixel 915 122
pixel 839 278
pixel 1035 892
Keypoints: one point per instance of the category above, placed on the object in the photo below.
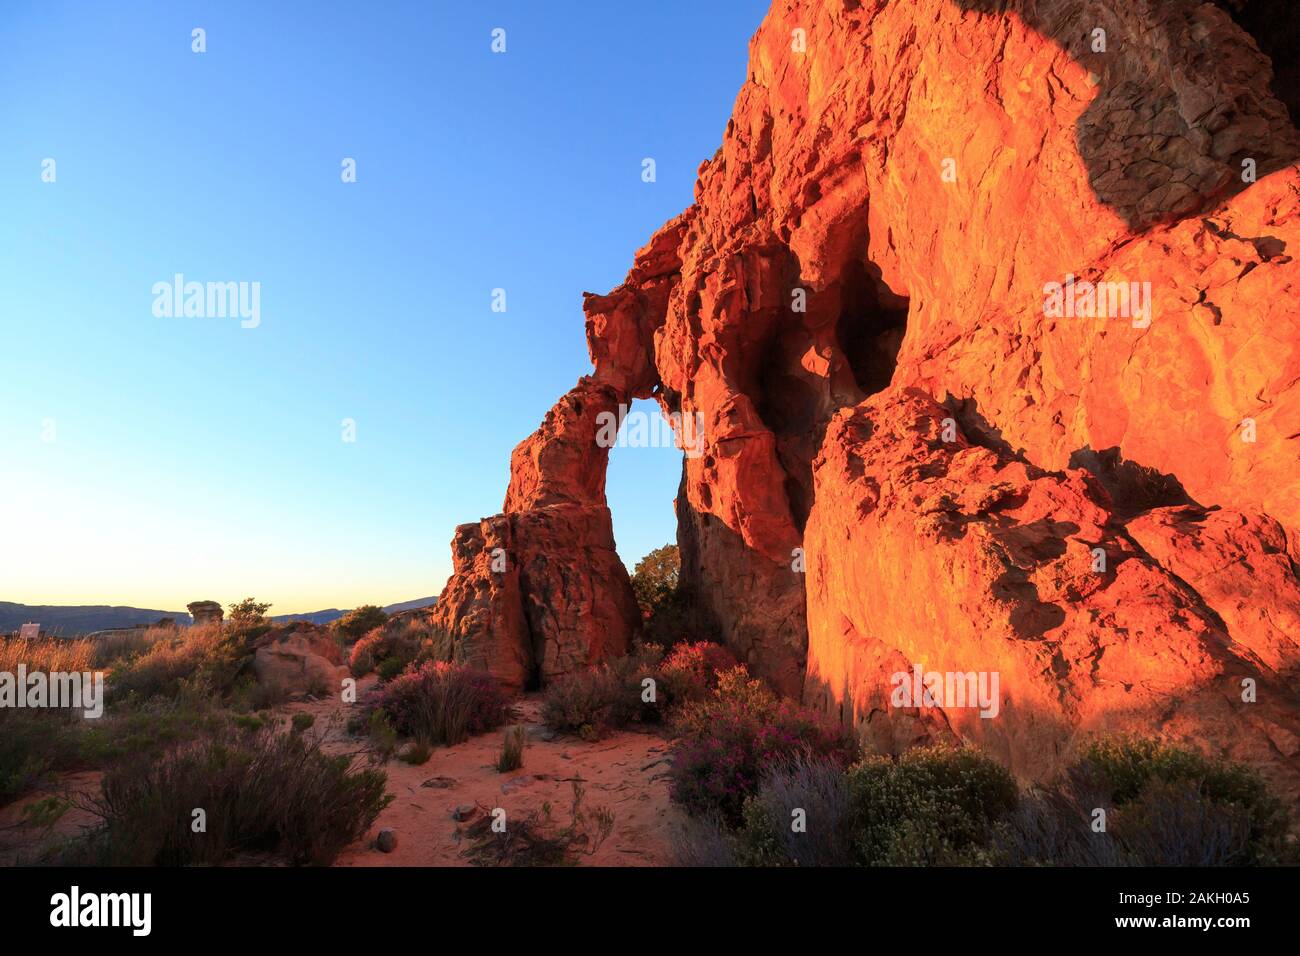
pixel 155 461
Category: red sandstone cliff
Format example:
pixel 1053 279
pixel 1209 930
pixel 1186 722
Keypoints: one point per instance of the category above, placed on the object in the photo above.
pixel 856 305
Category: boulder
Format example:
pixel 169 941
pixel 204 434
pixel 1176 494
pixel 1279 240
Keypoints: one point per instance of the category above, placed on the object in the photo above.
pixel 299 658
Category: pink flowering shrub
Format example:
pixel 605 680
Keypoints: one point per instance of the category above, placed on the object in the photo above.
pixel 690 671
pixel 442 703
pixel 728 741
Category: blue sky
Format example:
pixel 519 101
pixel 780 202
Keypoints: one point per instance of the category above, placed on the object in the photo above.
pixel 154 461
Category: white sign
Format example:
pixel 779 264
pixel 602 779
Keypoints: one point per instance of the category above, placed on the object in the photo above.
pixel 29 632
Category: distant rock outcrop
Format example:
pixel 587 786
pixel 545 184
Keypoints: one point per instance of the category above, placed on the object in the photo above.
pixel 206 612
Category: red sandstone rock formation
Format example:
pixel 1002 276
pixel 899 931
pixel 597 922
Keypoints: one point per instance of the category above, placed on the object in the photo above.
pixel 868 264
pixel 539 591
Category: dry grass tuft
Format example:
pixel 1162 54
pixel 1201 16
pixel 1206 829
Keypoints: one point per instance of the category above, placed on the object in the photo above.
pixel 46 654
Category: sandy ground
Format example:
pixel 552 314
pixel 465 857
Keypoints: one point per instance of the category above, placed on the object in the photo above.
pixel 20 842
pixel 625 772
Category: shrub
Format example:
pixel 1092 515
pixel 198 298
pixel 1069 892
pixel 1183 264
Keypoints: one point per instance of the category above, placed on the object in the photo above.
pixel 940 806
pixel 398 641
pixel 248 722
pixel 668 610
pixel 260 792
pixel 654 579
pixel 729 740
pixel 594 701
pixel 46 812
pixel 34 743
pixel 248 612
pixel 302 722
pixel 248 694
pixel 704 841
pixel 442 703
pixel 1175 823
pixel 1165 806
pixel 360 621
pixel 691 670
pixel 126 645
pixel 512 751
pixel 817 788
pixel 1130 765
pixel 206 656
pixel 390 667
pixel 931 806
pixel 582 702
pixel 383 736
pixel 1052 826
pixel 147 729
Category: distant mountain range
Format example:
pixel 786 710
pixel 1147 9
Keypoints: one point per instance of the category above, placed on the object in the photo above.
pixel 333 614
pixel 70 620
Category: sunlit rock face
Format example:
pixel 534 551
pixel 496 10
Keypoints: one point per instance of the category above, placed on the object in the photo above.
pixel 972 292
pixel 928 548
pixel 539 591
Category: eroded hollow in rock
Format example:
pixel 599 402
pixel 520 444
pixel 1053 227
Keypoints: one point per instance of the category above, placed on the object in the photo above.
pixel 1275 27
pixel 870 327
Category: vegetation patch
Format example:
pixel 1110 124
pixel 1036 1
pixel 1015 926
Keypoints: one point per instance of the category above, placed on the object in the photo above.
pixel 441 703
pixel 232 793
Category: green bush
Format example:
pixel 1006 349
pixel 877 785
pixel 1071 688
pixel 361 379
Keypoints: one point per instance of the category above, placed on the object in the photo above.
pixel 37 743
pixel 390 667
pixel 670 612
pixel 383 736
pixel 1131 764
pixel 248 612
pixel 147 729
pixel 654 579
pixel 359 622
pixel 1165 805
pixel 931 806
